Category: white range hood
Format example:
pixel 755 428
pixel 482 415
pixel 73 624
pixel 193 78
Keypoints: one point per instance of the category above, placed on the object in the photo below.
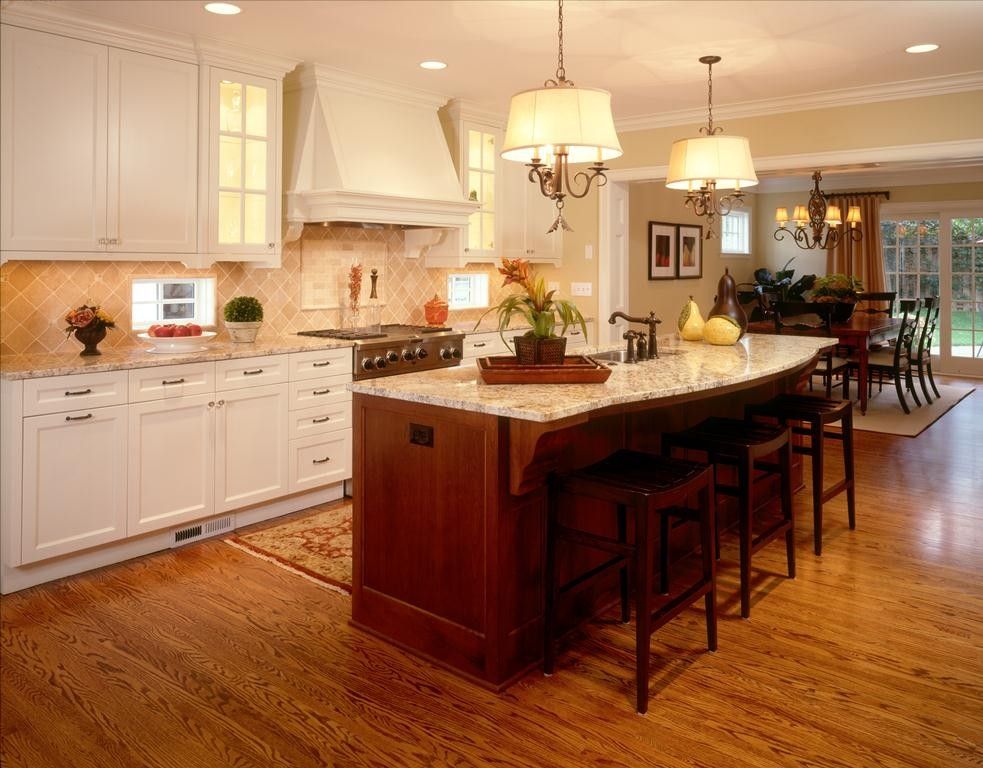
pixel 359 150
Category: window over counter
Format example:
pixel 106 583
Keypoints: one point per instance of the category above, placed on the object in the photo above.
pixel 467 291
pixel 735 236
pixel 172 300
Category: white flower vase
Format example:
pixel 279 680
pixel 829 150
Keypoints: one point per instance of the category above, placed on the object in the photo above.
pixel 243 333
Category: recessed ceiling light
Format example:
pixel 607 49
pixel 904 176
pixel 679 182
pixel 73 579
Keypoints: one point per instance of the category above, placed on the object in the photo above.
pixel 433 65
pixel 223 9
pixel 922 48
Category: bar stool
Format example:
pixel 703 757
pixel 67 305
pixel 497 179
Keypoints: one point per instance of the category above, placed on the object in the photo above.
pixel 817 412
pixel 745 444
pixel 642 485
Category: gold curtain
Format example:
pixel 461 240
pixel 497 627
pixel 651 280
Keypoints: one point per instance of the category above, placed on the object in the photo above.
pixel 863 260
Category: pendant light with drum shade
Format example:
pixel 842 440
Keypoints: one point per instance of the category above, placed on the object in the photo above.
pixel 551 127
pixel 713 162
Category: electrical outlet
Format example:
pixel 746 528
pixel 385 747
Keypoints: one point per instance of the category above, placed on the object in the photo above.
pixel 581 289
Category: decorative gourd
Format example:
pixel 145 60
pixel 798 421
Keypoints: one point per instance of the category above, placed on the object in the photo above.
pixel 722 330
pixel 691 322
pixel 727 304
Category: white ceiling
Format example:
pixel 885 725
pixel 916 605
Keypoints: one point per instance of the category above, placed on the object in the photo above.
pixel 645 53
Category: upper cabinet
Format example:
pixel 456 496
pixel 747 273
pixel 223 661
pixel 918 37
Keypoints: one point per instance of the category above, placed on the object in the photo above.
pixel 244 166
pixel 100 150
pixel 526 217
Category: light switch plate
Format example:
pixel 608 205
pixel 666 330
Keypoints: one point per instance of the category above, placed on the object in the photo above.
pixel 588 251
pixel 581 289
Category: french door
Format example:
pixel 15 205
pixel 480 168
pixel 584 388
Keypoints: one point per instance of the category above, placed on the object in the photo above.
pixel 940 253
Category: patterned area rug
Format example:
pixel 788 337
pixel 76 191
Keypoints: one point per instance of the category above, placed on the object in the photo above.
pixel 884 412
pixel 316 545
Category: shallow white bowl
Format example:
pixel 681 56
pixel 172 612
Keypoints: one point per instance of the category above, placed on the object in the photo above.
pixel 178 344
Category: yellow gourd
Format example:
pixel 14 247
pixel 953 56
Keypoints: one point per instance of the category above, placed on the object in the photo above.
pixel 691 322
pixel 722 330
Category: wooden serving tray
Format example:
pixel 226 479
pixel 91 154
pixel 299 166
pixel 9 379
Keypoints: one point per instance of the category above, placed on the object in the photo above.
pixel 576 369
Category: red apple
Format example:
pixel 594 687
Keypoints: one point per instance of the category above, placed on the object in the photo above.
pixel 152 330
pixel 165 331
pixel 194 329
pixel 181 330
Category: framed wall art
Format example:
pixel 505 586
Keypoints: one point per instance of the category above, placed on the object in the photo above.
pixel 690 263
pixel 662 250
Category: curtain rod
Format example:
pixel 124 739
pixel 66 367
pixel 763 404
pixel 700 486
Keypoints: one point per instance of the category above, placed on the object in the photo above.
pixel 866 193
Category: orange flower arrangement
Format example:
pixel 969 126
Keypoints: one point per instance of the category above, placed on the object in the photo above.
pixel 91 317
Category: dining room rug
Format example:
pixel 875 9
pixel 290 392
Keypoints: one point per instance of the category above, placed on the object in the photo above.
pixel 884 412
pixel 315 544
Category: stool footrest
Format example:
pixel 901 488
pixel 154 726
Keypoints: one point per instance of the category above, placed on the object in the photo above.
pixel 834 489
pixel 770 533
pixel 576 584
pixel 676 605
pixel 577 536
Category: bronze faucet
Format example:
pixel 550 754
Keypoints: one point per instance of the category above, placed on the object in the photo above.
pixel 651 321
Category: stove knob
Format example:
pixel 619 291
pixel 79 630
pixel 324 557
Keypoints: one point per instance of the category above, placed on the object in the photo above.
pixel 392 357
pixel 456 353
pixel 409 355
pixel 367 365
pixel 421 353
pixel 445 353
pixel 380 362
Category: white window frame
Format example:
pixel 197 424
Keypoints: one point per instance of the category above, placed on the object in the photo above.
pixel 476 291
pixel 203 301
pixel 743 213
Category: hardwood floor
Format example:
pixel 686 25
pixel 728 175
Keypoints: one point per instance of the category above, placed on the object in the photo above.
pixel 205 656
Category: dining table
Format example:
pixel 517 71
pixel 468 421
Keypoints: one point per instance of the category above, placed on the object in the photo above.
pixel 858 333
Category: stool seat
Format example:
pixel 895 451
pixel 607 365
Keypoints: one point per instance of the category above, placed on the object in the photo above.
pixel 817 412
pixel 745 444
pixel 644 485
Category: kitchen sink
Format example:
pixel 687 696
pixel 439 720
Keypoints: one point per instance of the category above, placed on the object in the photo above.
pixel 616 356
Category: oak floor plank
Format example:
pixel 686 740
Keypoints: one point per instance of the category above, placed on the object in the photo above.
pixel 204 656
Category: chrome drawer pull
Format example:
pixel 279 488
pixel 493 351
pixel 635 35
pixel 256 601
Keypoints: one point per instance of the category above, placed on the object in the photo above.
pixel 321 420
pixel 321 365
pixel 321 391
pixel 325 460
pixel 252 373
pixel 165 382
pixel 78 418
pixel 78 392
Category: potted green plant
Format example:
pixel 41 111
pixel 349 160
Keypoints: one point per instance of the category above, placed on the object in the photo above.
pixel 243 317
pixel 839 289
pixel 540 345
pixel 768 287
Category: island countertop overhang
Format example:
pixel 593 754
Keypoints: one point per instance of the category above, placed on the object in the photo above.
pixel 683 368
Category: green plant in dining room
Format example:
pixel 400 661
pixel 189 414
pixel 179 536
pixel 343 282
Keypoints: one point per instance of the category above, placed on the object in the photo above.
pixel 836 287
pixel 534 304
pixel 243 309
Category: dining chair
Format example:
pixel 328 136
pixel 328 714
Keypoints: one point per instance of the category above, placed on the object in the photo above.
pixel 868 300
pixel 922 359
pixel 806 315
pixel 893 363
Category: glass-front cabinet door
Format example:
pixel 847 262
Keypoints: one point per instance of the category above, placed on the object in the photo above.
pixel 481 159
pixel 242 203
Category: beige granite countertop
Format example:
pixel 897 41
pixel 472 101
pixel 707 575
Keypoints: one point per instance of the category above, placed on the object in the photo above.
pixel 39 365
pixel 682 368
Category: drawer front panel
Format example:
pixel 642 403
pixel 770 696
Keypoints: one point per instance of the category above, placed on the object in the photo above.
pixel 484 345
pixel 250 372
pixel 319 363
pixel 171 381
pixel 321 419
pixel 57 394
pixel 316 392
pixel 320 460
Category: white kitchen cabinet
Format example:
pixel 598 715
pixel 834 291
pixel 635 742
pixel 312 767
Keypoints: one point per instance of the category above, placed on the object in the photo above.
pixel 99 150
pixel 320 459
pixel 250 446
pixel 244 165
pixel 73 481
pixel 486 344
pixel 527 214
pixel 171 462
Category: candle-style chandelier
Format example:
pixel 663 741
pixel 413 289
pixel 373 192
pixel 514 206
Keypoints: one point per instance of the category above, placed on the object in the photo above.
pixel 551 127
pixel 817 225
pixel 712 162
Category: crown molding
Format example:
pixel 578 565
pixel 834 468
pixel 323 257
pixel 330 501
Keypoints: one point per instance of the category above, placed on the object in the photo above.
pixel 837 183
pixel 216 53
pixel 843 97
pixel 463 109
pixel 310 74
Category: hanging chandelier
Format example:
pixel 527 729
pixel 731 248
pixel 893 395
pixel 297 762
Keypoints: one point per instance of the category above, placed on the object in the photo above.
pixel 709 163
pixel 552 127
pixel 822 219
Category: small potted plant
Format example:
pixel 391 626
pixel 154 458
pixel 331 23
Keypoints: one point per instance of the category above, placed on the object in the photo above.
pixel 839 289
pixel 89 325
pixel 540 345
pixel 243 317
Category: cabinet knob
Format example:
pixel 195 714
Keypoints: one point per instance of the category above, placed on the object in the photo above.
pixel 271 245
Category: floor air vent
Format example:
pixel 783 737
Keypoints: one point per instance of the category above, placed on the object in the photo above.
pixel 203 530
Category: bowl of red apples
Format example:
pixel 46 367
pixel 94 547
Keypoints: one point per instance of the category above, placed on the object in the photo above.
pixel 171 338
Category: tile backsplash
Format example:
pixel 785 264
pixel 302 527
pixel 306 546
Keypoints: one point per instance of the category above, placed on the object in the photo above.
pixel 35 295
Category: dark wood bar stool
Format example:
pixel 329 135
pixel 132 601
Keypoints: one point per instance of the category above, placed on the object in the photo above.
pixel 641 485
pixel 817 413
pixel 745 445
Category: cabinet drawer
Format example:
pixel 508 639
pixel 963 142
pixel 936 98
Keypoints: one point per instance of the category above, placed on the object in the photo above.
pixel 321 419
pixel 56 394
pixel 321 362
pixel 250 372
pixel 320 459
pixel 485 345
pixel 316 392
pixel 575 338
pixel 171 381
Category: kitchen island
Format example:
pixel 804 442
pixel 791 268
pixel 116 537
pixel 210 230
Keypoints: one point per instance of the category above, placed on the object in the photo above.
pixel 450 478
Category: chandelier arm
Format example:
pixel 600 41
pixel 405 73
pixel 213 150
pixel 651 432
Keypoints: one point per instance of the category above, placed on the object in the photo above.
pixel 856 234
pixel 537 173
